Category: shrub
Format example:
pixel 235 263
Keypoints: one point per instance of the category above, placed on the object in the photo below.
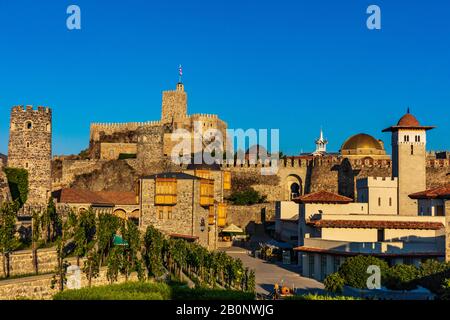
pixel 18 184
pixel 320 297
pixel 247 197
pixel 150 291
pixel 354 270
pixel 123 156
pixel 401 277
pixel 334 283
pixel 432 274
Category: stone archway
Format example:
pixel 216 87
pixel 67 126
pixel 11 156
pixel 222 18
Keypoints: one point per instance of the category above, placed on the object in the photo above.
pixel 122 214
pixel 293 187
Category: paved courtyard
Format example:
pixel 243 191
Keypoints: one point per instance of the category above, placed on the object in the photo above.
pixel 267 274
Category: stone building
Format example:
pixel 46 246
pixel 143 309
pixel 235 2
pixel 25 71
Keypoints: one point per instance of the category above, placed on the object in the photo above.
pixel 109 140
pixel 183 205
pixel 409 140
pixel 30 148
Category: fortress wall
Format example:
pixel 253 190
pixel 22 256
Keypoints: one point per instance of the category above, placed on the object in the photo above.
pixel 111 151
pixel 71 168
pixel 112 128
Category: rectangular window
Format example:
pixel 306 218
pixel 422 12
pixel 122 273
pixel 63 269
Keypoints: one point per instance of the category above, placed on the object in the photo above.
pixel 379 202
pixel 323 266
pixel 412 150
pixel 160 212
pixel 169 213
pixel 336 263
pixel 211 216
pixel 440 211
pixel 166 191
pixel 221 215
pixel 206 192
pixel 311 265
pixel 390 202
pixel 227 180
pixel 380 235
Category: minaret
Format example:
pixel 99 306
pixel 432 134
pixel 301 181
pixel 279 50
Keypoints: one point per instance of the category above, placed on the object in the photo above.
pixel 409 140
pixel 321 144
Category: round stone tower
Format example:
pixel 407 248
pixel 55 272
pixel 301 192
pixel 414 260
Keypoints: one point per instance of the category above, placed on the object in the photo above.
pixel 30 148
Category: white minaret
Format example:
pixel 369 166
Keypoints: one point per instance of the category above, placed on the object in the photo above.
pixel 321 144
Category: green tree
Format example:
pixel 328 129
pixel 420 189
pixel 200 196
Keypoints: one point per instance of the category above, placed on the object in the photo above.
pixel 18 184
pixel 8 240
pixel 401 277
pixel 354 270
pixel 107 226
pixel 334 283
pixel 50 222
pixel 84 237
pixel 35 237
pixel 68 224
pixel 248 196
pixel 153 251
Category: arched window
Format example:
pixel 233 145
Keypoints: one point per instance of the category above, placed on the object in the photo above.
pixel 29 125
pixel 379 202
pixel 390 202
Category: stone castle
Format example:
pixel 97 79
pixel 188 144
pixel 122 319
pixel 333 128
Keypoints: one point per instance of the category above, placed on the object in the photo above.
pixel 120 153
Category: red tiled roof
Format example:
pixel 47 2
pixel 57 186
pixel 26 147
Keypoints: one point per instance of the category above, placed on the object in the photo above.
pixel 408 120
pixel 70 195
pixel 435 193
pixel 367 224
pixel 323 197
pixel 346 253
pixel 118 197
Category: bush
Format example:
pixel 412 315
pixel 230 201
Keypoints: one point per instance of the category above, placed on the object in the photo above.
pixel 432 275
pixel 401 277
pixel 354 270
pixel 320 297
pixel 151 291
pixel 125 291
pixel 18 184
pixel 123 156
pixel 247 197
pixel 334 283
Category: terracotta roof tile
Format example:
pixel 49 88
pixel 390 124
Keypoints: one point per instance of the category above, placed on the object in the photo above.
pixel 323 197
pixel 366 224
pixel 408 120
pixel 385 254
pixel 435 193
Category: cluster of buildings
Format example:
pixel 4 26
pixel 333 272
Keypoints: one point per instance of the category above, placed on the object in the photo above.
pixel 394 218
pixel 327 205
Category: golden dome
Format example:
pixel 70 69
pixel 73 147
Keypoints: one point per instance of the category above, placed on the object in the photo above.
pixel 361 141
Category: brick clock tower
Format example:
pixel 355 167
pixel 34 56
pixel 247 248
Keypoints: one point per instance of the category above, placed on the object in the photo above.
pixel 409 140
pixel 30 148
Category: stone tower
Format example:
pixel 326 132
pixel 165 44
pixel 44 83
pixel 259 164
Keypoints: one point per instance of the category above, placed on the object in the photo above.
pixel 30 148
pixel 174 104
pixel 150 148
pixel 409 140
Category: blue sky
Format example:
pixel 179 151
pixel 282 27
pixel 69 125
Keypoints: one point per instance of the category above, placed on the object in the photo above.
pixel 294 65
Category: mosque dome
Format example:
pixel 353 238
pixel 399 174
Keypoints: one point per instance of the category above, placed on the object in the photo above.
pixel 361 141
pixel 361 146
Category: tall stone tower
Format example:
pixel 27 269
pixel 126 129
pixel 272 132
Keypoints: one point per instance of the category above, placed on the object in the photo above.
pixel 30 148
pixel 174 104
pixel 409 140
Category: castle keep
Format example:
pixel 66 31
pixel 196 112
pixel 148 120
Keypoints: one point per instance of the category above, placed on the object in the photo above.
pixel 30 148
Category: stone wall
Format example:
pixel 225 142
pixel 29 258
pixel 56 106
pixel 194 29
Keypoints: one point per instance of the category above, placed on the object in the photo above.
pixel 5 194
pixel 21 262
pixel 244 216
pixel 39 287
pixel 112 151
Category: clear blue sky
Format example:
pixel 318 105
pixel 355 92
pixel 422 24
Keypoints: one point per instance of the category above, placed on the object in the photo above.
pixel 294 65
